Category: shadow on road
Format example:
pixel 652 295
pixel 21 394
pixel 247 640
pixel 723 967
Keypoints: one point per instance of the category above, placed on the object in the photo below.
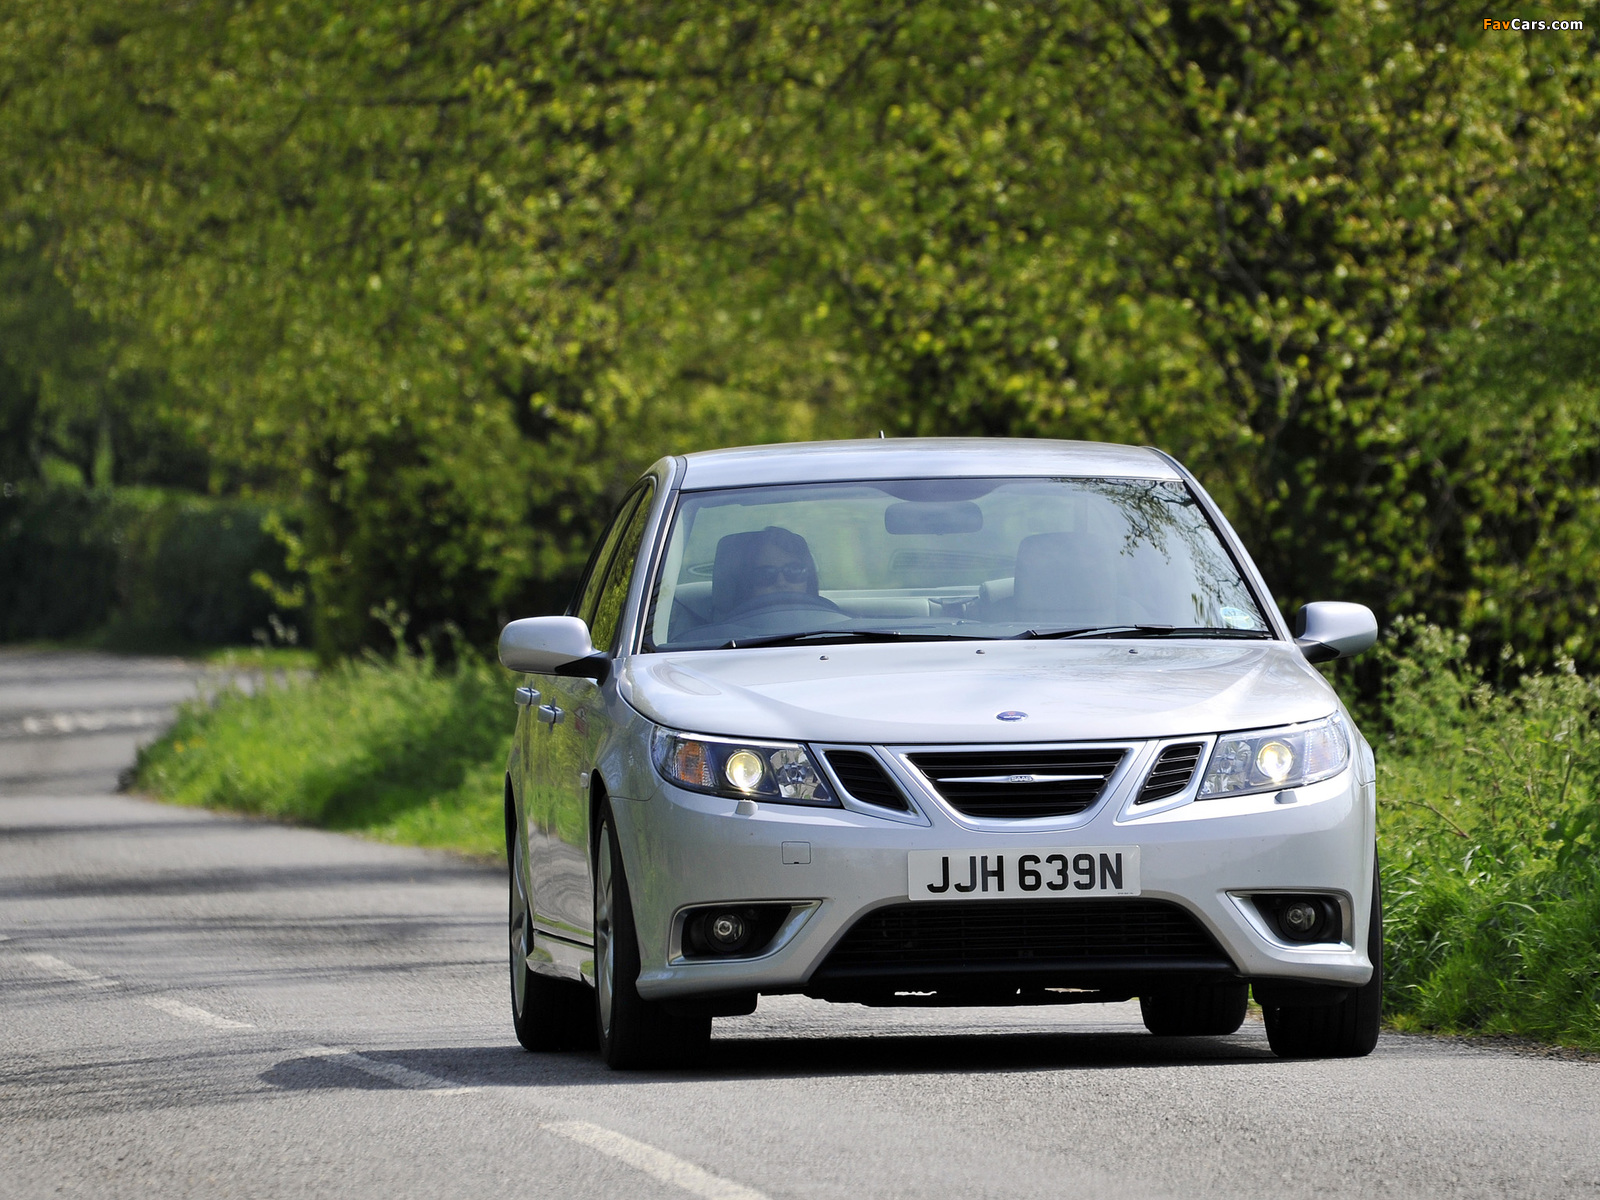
pixel 146 828
pixel 238 879
pixel 793 1058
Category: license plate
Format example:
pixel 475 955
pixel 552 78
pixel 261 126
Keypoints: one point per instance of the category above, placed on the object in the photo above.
pixel 1057 871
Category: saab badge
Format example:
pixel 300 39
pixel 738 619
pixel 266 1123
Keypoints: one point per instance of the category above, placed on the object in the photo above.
pixel 1011 714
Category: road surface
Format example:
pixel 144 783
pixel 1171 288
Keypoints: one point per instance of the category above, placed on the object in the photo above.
pixel 197 1005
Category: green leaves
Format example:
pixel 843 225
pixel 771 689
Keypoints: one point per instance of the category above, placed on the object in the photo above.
pixel 452 273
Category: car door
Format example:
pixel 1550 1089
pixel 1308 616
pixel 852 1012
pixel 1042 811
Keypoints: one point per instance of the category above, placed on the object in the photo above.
pixel 571 718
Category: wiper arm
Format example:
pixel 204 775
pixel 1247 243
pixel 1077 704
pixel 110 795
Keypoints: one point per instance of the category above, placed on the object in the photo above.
pixel 1081 631
pixel 1142 630
pixel 849 635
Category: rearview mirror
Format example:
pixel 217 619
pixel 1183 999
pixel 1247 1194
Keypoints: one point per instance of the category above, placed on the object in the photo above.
pixel 923 516
pixel 1330 629
pixel 551 646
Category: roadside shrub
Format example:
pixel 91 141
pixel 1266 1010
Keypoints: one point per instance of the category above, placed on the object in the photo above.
pixel 392 748
pixel 1489 821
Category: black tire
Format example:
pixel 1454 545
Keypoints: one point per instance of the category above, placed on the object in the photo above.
pixel 633 1032
pixel 1196 1010
pixel 1345 1029
pixel 547 1013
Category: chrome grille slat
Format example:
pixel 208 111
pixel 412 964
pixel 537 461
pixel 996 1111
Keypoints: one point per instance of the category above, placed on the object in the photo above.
pixel 1020 783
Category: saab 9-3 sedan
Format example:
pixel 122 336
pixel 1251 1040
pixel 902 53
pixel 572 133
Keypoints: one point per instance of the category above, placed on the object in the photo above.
pixel 934 722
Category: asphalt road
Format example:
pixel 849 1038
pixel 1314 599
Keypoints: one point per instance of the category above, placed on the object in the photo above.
pixel 200 1005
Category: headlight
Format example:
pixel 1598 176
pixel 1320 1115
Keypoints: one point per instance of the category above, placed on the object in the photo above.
pixel 1269 759
pixel 781 772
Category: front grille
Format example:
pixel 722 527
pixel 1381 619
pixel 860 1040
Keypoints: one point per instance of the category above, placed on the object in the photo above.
pixel 936 938
pixel 1019 783
pixel 864 778
pixel 1172 772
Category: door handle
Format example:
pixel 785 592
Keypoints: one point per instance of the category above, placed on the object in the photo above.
pixel 527 696
pixel 550 714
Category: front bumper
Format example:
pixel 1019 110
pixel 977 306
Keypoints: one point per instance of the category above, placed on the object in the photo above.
pixel 684 849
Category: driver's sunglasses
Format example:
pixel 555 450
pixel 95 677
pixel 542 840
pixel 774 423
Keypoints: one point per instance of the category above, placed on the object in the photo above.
pixel 792 572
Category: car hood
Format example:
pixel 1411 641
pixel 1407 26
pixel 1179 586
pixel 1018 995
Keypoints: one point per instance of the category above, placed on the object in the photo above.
pixel 954 691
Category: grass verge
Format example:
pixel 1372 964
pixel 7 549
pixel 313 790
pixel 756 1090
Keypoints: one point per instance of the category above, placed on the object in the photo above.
pixel 394 749
pixel 1488 828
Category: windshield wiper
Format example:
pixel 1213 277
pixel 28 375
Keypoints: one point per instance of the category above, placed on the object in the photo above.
pixel 1141 630
pixel 862 635
pixel 824 636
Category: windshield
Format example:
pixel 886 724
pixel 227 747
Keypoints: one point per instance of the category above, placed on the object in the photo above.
pixel 945 558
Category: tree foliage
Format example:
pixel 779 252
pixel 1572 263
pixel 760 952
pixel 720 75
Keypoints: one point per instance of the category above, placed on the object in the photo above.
pixel 450 272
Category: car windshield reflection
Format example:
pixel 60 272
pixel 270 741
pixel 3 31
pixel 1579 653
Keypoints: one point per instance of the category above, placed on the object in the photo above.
pixel 933 559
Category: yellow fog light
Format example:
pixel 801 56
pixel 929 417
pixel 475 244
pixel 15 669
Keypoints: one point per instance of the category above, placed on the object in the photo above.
pixel 1275 760
pixel 744 770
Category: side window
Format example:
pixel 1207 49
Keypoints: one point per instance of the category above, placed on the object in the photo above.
pixel 614 592
pixel 589 589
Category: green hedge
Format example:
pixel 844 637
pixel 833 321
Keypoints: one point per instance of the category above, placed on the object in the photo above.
pixel 136 566
pixel 1489 824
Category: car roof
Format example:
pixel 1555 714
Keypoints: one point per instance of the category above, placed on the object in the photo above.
pixel 915 458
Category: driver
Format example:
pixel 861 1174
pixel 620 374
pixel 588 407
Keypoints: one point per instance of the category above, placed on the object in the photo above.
pixel 777 563
pixel 783 563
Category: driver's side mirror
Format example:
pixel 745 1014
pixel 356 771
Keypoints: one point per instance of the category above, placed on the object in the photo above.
pixel 1330 629
pixel 552 646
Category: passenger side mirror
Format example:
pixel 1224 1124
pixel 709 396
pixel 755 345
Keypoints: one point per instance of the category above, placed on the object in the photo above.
pixel 1330 629
pixel 552 646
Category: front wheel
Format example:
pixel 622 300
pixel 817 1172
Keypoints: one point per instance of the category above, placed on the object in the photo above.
pixel 1346 1029
pixel 633 1031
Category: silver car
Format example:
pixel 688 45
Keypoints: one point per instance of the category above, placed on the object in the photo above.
pixel 934 722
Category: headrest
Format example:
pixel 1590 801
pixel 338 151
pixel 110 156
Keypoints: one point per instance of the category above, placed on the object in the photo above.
pixel 1066 577
pixel 730 580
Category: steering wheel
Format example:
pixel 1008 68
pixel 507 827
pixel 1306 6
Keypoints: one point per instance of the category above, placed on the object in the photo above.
pixel 779 600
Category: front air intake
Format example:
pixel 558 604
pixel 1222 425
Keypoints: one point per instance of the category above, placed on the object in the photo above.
pixel 1172 772
pixel 863 777
pixel 908 943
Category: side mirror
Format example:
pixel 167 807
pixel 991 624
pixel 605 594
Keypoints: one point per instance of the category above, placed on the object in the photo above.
pixel 1331 629
pixel 552 646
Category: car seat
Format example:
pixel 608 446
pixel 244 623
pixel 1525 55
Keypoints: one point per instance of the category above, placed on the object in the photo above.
pixel 730 573
pixel 1066 579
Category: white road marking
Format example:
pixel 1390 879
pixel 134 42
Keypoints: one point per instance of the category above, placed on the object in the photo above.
pixel 393 1072
pixel 657 1163
pixel 62 969
pixel 34 725
pixel 189 1012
